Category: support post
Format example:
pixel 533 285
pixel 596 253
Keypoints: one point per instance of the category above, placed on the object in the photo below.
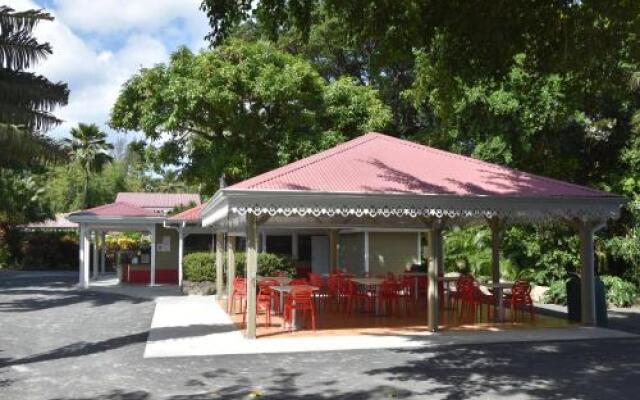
pixel 496 240
pixel 152 280
pixel 333 250
pixel 251 275
pixel 181 237
pixel 231 267
pixel 366 253
pixel 435 249
pixel 219 264
pixel 96 256
pixel 83 245
pixel 294 246
pixel 587 274
pixel 263 242
pixel 103 253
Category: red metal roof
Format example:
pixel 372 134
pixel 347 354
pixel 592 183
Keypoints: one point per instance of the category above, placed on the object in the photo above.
pixel 192 214
pixel 158 200
pixel 377 163
pixel 117 209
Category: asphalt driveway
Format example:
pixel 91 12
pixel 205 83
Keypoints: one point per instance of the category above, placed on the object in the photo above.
pixel 60 343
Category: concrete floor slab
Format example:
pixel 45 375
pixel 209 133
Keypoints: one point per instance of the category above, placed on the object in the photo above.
pixel 198 326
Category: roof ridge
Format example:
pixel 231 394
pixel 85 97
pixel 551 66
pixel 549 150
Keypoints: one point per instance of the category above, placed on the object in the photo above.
pixel 316 158
pixel 424 147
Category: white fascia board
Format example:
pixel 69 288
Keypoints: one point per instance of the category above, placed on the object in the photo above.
pixel 117 220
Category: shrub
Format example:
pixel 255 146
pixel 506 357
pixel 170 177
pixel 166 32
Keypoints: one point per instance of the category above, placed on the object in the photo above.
pixel 268 264
pixel 557 293
pixel 620 293
pixel 199 267
pixel 48 250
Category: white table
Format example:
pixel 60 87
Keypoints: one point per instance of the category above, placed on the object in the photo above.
pixel 371 282
pixel 415 276
pixel 498 288
pixel 286 289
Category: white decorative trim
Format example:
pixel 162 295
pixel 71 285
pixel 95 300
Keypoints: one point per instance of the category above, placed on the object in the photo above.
pixel 320 205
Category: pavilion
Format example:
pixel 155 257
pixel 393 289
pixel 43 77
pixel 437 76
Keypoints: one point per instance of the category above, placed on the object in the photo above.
pixel 378 183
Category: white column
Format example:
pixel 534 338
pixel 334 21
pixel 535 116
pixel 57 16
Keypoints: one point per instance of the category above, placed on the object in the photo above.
pixel 496 239
pixel 231 267
pixel 587 275
pixel 333 250
pixel 263 245
pixel 435 251
pixel 83 245
pixel 152 230
pixel 294 246
pixel 181 236
pixel 103 253
pixel 366 252
pixel 219 264
pixel 96 255
pixel 251 272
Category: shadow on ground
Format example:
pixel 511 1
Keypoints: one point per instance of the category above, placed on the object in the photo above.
pixel 535 370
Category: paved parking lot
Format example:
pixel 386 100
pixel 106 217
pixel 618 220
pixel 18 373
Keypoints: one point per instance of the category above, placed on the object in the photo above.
pixel 59 343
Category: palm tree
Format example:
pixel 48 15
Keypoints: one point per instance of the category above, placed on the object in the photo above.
pixel 26 99
pixel 89 148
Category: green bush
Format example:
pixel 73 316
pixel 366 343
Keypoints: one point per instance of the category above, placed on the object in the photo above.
pixel 620 293
pixel 268 264
pixel 199 267
pixel 47 250
pixel 557 293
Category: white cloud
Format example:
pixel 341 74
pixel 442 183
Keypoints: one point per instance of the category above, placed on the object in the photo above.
pixel 114 16
pixel 95 71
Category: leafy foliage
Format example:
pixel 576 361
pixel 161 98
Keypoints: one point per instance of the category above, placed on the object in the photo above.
pixel 47 250
pixel 557 293
pixel 620 293
pixel 88 147
pixel 241 109
pixel 26 99
pixel 268 264
pixel 199 267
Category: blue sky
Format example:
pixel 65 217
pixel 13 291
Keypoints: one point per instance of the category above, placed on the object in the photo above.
pixel 98 44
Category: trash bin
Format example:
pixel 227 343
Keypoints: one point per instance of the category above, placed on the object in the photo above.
pixel 602 319
pixel 574 302
pixel 573 298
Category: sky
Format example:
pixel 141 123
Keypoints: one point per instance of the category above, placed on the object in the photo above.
pixel 99 44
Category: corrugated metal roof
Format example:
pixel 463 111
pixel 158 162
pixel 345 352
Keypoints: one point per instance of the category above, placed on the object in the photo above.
pixel 377 163
pixel 192 214
pixel 158 200
pixel 117 209
pixel 59 222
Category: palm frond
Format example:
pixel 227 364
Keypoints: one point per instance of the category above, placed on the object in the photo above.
pixel 23 148
pixel 20 50
pixel 31 90
pixel 13 21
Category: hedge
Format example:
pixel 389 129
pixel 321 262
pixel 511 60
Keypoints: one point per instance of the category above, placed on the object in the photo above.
pixel 619 293
pixel 200 266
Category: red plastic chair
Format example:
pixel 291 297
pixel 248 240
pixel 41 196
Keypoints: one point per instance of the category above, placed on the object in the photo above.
pixel 520 299
pixel 298 282
pixel 352 295
pixel 239 292
pixel 317 281
pixel 390 296
pixel 300 300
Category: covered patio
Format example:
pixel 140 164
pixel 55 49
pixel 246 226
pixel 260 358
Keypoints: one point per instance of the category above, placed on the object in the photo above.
pixel 378 185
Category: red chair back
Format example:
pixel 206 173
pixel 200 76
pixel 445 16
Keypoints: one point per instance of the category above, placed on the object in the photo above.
pixel 240 285
pixel 521 292
pixel 298 282
pixel 315 280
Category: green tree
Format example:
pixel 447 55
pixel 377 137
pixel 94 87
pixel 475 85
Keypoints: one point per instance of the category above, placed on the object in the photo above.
pixel 26 99
pixel 88 148
pixel 242 109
